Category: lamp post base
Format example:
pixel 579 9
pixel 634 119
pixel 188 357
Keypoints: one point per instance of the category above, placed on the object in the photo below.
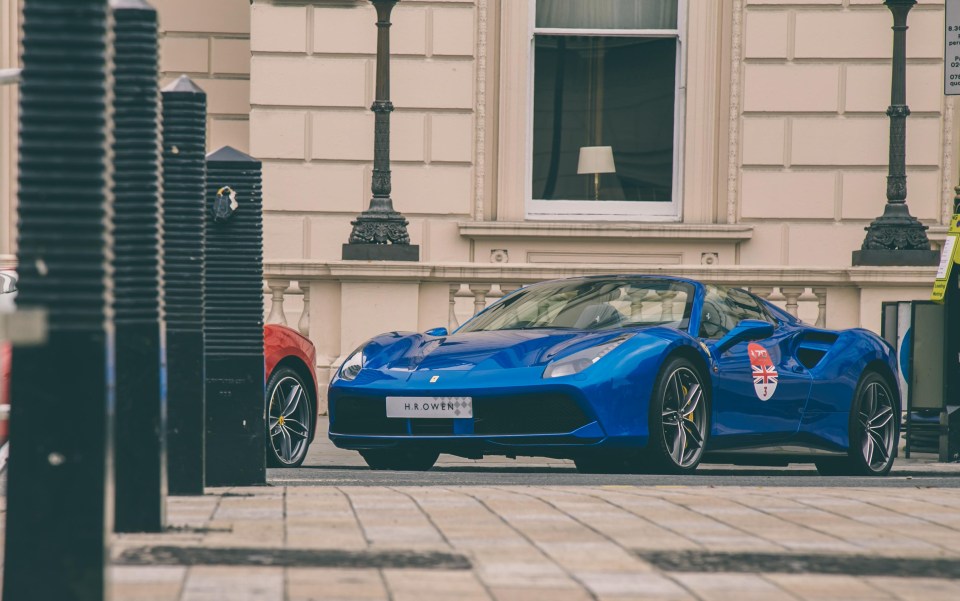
pixel 895 258
pixel 381 252
pixel 896 238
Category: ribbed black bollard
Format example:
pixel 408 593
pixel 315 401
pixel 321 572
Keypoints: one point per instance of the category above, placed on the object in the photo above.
pixel 236 426
pixel 184 190
pixel 140 468
pixel 60 485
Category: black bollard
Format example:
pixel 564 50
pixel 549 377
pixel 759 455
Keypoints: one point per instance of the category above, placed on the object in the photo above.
pixel 236 422
pixel 60 486
pixel 184 173
pixel 140 469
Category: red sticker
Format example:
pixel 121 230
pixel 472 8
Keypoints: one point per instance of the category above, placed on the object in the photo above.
pixel 764 373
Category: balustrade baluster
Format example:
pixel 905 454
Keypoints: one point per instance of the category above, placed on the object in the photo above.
pixel 508 289
pixel 279 289
pixel 821 294
pixel 453 323
pixel 792 294
pixel 667 298
pixel 304 324
pixel 479 296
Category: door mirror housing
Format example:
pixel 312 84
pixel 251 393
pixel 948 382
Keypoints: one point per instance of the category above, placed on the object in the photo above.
pixel 746 330
pixel 437 332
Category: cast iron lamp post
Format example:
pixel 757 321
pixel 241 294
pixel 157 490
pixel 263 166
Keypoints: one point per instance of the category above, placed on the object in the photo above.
pixel 896 237
pixel 380 232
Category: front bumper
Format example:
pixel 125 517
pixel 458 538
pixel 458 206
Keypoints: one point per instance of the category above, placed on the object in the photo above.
pixel 511 415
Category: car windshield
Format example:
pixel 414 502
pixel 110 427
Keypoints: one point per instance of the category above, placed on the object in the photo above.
pixel 590 304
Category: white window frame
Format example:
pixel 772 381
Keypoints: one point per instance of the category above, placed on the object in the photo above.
pixel 591 210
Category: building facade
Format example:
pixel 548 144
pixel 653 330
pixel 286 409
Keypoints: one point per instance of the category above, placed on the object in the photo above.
pixel 738 141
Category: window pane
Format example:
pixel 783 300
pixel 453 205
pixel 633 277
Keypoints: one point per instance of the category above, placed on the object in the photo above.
pixel 724 309
pixel 615 92
pixel 607 14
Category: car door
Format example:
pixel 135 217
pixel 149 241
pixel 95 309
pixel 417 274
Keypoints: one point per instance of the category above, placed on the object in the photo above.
pixel 760 389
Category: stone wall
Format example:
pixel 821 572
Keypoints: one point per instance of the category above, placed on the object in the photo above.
pixel 815 83
pixel 209 40
pixel 313 82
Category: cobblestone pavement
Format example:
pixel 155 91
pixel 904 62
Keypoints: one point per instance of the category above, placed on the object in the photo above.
pixel 552 543
pixel 424 537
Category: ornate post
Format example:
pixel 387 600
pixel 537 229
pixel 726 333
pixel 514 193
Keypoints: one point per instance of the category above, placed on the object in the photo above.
pixel 896 237
pixel 380 232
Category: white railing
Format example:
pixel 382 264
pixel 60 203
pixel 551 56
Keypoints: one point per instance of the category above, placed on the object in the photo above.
pixel 340 304
pixel 278 289
pixel 804 292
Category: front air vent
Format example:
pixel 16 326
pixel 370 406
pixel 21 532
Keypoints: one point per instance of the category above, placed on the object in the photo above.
pixel 813 347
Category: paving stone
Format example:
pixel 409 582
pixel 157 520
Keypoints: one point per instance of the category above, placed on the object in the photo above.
pixel 314 584
pixel 918 589
pixel 620 583
pixel 823 587
pixel 236 584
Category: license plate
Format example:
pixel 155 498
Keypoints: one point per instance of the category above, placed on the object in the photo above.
pixel 456 407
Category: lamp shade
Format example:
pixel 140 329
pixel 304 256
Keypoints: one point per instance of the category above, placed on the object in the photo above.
pixel 596 159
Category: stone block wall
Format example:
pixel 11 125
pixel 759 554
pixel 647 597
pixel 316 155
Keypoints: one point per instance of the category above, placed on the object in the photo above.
pixel 815 77
pixel 209 40
pixel 313 70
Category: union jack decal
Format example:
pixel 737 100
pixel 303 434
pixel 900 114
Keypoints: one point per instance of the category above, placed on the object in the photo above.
pixel 764 374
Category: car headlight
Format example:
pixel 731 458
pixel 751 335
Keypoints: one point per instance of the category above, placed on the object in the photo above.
pixel 352 366
pixel 579 361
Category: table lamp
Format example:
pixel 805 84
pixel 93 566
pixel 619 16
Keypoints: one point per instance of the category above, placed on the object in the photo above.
pixel 596 160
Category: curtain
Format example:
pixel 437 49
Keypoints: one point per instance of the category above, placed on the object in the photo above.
pixel 607 14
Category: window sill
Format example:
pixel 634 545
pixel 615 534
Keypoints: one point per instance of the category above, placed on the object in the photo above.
pixel 621 231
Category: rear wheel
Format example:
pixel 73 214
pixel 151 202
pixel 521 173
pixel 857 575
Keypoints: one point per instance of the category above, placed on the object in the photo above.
pixel 872 430
pixel 679 418
pixel 290 419
pixel 408 460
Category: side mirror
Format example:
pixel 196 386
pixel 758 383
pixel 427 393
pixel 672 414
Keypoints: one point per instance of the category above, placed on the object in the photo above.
pixel 437 332
pixel 748 329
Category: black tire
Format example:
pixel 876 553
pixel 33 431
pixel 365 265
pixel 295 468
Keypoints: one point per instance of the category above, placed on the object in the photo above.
pixel 405 460
pixel 288 436
pixel 873 427
pixel 674 433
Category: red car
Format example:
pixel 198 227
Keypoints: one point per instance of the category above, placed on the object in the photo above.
pixel 291 394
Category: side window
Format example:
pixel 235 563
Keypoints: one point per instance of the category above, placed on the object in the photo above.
pixel 743 306
pixel 724 308
pixel 713 320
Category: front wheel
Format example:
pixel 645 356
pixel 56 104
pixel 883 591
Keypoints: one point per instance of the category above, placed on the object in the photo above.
pixel 408 460
pixel 679 418
pixel 289 419
pixel 872 431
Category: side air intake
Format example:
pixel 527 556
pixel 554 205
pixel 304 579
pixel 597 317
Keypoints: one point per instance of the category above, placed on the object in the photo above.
pixel 813 347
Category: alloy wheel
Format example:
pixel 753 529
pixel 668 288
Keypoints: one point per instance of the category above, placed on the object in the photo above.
pixel 289 420
pixel 684 417
pixel 876 425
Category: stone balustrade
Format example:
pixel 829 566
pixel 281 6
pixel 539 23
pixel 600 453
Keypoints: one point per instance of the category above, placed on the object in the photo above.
pixel 340 304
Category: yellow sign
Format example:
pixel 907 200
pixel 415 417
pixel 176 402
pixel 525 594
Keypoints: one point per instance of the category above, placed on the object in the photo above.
pixel 949 256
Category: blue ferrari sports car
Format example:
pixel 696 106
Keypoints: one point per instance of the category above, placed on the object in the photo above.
pixel 622 374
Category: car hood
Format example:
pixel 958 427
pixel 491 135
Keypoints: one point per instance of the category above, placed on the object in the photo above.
pixel 504 349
